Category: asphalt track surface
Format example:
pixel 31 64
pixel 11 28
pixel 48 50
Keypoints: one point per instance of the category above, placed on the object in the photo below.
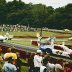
pixel 32 49
pixel 20 47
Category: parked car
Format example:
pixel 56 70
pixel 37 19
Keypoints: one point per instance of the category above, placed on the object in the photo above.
pixel 57 49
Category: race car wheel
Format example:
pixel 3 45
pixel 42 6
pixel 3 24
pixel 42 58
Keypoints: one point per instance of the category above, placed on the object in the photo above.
pixel 48 50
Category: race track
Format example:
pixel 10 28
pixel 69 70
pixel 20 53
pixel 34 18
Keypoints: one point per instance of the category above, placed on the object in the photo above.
pixel 32 49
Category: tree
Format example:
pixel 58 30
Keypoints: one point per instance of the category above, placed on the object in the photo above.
pixel 2 2
pixel 38 15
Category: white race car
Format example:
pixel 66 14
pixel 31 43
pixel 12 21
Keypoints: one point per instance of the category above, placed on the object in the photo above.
pixel 57 49
pixel 3 38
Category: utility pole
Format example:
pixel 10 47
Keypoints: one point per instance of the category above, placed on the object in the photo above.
pixel 43 19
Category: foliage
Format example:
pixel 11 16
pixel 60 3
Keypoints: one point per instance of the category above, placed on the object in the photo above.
pixel 38 15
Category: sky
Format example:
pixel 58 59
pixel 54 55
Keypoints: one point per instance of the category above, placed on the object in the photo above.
pixel 53 3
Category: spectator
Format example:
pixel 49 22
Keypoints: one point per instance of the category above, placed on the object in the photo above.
pixel 8 66
pixel 68 67
pixel 31 63
pixel 43 67
pixel 39 40
pixel 10 53
pixel 19 63
pixel 59 66
pixel 37 61
pixel 52 64
pixel 47 59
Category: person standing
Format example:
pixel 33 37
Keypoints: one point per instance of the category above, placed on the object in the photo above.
pixel 37 61
pixel 10 53
pixel 31 63
pixel 59 66
pixel 9 66
pixel 39 41
pixel 43 67
pixel 19 62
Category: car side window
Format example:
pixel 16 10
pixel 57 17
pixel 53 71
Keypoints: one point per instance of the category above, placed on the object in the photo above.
pixel 58 48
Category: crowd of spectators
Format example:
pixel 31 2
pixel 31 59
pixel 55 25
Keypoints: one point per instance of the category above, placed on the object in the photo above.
pixel 17 27
pixel 12 28
pixel 38 62
pixel 10 61
pixel 44 63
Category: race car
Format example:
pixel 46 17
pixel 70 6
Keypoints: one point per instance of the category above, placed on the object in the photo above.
pixel 3 38
pixel 57 49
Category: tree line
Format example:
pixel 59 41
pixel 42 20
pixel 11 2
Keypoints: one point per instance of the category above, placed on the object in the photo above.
pixel 38 15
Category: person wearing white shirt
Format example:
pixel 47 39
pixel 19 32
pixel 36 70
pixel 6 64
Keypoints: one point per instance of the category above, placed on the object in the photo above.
pixel 9 66
pixel 39 41
pixel 52 64
pixel 43 68
pixel 37 61
pixel 59 66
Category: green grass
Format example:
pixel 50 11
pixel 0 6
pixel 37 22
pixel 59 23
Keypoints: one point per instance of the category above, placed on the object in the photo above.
pixel 30 33
pixel 23 41
pixel 27 41
pixel 69 42
pixel 66 42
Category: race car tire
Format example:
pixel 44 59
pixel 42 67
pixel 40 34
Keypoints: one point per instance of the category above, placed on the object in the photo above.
pixel 48 50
